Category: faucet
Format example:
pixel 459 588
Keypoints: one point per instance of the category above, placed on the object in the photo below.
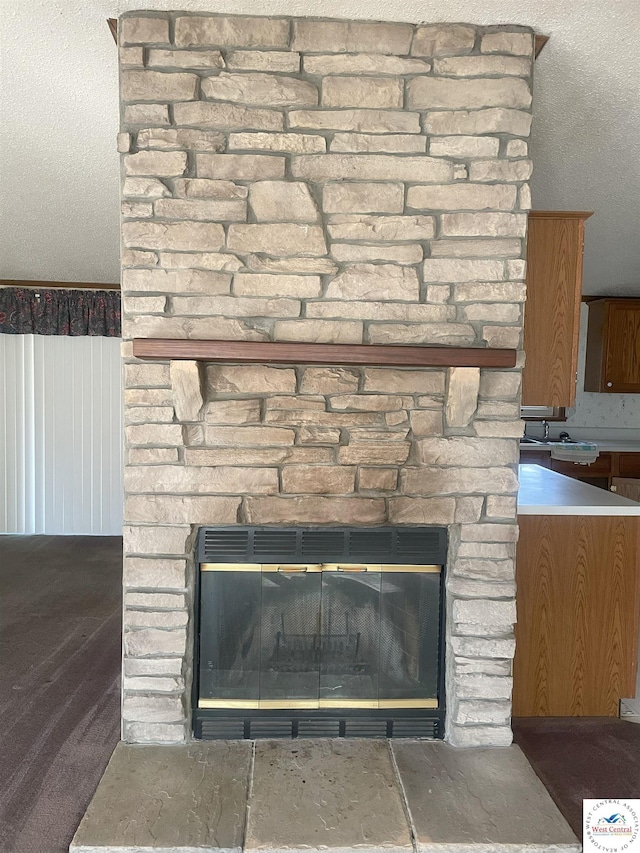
pixel 545 424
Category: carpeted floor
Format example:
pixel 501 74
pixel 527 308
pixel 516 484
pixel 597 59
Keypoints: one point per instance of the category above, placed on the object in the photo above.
pixel 59 689
pixel 582 758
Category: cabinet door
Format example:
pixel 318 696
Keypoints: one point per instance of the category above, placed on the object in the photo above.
pixel 621 369
pixel 552 312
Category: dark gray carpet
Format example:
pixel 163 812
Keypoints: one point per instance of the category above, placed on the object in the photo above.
pixel 60 683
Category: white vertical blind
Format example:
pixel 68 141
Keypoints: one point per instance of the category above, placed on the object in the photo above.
pixel 60 435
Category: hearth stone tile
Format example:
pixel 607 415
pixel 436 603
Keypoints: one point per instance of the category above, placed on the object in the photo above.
pixel 328 795
pixel 189 799
pixel 478 801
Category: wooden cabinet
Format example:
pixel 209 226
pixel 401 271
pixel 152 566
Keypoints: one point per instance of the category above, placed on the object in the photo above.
pixel 578 604
pixel 552 311
pixel 613 346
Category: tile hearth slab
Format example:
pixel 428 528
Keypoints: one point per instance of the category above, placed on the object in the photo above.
pixel 330 795
pixel 334 796
pixel 174 799
pixel 478 801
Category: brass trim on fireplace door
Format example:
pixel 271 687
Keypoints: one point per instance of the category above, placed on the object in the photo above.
pixel 230 567
pixel 313 704
pixel 407 703
pixel 316 567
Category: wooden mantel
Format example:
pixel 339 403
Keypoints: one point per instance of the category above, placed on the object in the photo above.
pixel 275 352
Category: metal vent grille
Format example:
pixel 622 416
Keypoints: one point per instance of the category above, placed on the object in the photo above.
pixel 271 728
pixel 318 728
pixel 219 728
pixel 416 545
pixel 415 727
pixel 362 727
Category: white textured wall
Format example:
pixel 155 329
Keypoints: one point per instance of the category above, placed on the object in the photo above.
pixel 60 435
pixel 58 121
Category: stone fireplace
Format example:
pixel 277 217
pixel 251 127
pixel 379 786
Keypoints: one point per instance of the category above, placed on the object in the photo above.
pixel 347 183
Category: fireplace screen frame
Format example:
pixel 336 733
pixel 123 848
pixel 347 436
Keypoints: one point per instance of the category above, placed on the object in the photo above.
pixel 311 552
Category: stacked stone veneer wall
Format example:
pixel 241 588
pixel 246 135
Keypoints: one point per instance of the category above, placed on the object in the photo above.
pixel 344 182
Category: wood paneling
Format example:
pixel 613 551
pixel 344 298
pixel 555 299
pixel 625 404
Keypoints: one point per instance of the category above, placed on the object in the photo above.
pixel 578 600
pixel 273 352
pixel 626 488
pixel 552 311
pixel 628 465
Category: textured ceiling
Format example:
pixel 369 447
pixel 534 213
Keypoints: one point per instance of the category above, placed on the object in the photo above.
pixel 58 123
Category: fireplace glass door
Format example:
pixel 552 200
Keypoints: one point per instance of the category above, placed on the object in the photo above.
pixel 307 636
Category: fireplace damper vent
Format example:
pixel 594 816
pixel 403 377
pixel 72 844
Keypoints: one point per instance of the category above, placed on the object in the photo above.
pixel 335 631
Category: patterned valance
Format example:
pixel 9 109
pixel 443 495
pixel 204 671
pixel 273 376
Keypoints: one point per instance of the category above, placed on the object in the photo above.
pixel 27 311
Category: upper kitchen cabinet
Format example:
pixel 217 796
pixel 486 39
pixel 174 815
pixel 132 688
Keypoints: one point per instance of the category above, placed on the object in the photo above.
pixel 552 311
pixel 613 346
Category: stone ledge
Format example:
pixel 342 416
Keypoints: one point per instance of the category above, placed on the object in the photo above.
pixel 328 795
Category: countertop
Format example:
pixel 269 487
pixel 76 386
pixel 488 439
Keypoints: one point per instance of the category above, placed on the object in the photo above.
pixel 545 492
pixel 611 446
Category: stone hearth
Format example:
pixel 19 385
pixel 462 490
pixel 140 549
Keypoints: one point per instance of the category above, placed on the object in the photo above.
pixel 321 181
pixel 306 795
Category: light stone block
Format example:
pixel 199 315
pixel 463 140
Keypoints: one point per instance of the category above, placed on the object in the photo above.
pixel 461 270
pixel 175 479
pixel 152 455
pixel 157 86
pixel 482 66
pixel 487 311
pixel 374 453
pixel 380 228
pixel 152 684
pixel 175 281
pixel 363 198
pixel 231 31
pixel 227 116
pixel 484 225
pixel 439 293
pixel 318 331
pixel 364 63
pixel 462 197
pixel 250 379
pixel 451 481
pixel 202 210
pixel 181 509
pixel 282 201
pixel 357 120
pixel 185 59
pixel 255 88
pixel 454 334
pixel 179 138
pixel 151 619
pixel 170 541
pixel 263 60
pixel 369 310
pixel 369 402
pixel 186 385
pixel 462 395
pixel 407 510
pixel 378 479
pixel 154 642
pixel 234 306
pixel 490 292
pixel 318 435
pixel 479 647
pixel 351 37
pixel 140 30
pixel 468 510
pixel 477 248
pixel 136 209
pixel 436 92
pixel 233 412
pixel 518 44
pixel 485 570
pixel 481 712
pixel 200 261
pixel 477 736
pixel 194 328
pixel 305 266
pixel 480 686
pixel 365 167
pixel 239 167
pixel 404 380
pixel 289 143
pixel 157 163
pixel 152 709
pixel 480 612
pixel 146 114
pixel 328 380
pixel 507 337
pixel 154 574
pixel 131 56
pixel 497 384
pixel 524 197
pixel 350 253
pixel 314 480
pixel 315 509
pixel 146 375
pixel 173 236
pixel 123 142
pixel 501 429
pixel 144 188
pixel 360 92
pixel 208 188
pixel 494 551
pixel 465 450
pixel 375 281
pixel 148 414
pixel 164 667
pixel 282 239
pixel 489 532
pixel 517 269
pixel 297 286
pixel 392 143
pixel 443 40
pixel 152 734
pixel 464 146
pixel 474 122
pixel 500 170
pixel 500 507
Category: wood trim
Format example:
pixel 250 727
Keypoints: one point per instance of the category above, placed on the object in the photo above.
pixel 113 27
pixel 560 214
pixel 66 285
pixel 539 41
pixel 275 352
